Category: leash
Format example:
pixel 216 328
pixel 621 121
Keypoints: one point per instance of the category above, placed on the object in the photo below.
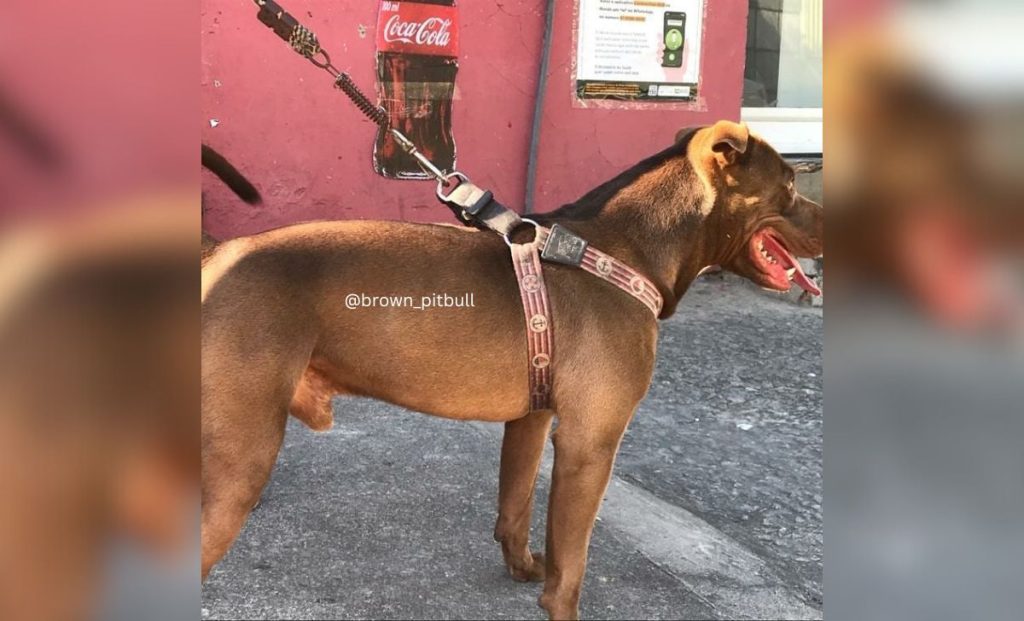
pixel 470 204
pixel 477 207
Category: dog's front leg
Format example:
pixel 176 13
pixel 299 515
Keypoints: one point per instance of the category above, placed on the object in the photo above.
pixel 521 452
pixel 585 450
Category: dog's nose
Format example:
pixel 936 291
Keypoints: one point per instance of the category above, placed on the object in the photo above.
pixel 809 217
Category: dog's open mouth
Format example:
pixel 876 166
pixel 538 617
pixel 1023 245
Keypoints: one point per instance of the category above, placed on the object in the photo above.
pixel 775 262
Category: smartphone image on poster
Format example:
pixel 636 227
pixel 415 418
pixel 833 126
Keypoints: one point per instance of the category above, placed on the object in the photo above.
pixel 674 27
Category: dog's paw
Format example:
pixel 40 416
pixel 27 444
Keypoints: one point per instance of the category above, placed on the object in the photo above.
pixel 532 571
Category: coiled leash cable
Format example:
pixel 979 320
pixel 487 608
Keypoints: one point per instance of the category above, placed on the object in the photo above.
pixel 470 203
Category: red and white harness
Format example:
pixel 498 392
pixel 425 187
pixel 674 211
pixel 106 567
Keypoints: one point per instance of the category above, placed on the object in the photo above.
pixel 559 245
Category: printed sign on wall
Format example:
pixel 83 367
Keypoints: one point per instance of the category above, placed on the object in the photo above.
pixel 647 50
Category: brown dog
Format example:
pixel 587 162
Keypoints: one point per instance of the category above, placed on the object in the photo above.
pixel 278 338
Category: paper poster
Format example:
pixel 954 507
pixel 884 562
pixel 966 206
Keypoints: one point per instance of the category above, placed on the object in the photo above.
pixel 417 63
pixel 645 50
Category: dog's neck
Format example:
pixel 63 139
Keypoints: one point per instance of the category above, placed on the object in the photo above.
pixel 653 217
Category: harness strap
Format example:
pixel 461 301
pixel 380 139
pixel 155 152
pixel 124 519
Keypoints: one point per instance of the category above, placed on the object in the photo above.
pixel 602 265
pixel 539 344
pixel 622 276
pixel 526 259
pixel 478 207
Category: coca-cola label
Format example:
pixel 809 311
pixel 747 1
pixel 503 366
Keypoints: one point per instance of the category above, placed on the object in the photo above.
pixel 417 28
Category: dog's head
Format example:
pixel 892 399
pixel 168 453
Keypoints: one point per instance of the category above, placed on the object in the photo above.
pixel 762 223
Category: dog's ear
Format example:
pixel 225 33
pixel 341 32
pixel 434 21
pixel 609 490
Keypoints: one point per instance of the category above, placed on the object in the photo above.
pixel 728 141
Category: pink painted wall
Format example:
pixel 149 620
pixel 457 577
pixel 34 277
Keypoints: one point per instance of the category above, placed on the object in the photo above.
pixel 581 148
pixel 307 149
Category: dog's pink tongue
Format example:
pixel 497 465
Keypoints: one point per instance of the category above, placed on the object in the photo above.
pixel 788 261
pixel 805 283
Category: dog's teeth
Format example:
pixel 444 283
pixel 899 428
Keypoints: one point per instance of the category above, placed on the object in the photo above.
pixel 790 272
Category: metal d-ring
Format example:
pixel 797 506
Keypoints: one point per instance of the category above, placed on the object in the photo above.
pixel 536 233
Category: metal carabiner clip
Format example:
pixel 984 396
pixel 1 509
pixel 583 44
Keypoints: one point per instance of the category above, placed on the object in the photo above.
pixel 446 180
pixel 428 167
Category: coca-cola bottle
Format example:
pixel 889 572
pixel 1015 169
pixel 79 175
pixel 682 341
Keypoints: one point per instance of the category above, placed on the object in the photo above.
pixel 417 59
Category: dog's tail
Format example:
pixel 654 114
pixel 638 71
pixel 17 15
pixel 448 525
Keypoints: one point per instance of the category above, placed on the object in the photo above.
pixel 220 166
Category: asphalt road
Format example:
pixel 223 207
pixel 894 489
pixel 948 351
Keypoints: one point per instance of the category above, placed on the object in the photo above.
pixel 714 511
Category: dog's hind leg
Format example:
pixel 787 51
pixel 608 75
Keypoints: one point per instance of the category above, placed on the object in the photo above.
pixel 245 409
pixel 521 452
pixel 237 460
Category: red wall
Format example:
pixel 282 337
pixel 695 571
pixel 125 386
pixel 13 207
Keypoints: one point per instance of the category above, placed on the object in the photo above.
pixel 309 150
